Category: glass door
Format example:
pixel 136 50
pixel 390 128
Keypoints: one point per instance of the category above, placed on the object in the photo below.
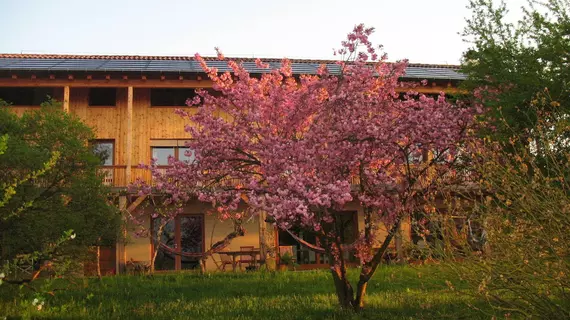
pixel 191 240
pixel 184 234
pixel 165 258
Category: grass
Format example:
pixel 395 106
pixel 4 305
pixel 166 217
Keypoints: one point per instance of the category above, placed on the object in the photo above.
pixel 396 292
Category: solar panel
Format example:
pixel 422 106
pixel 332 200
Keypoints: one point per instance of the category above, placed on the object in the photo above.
pixel 333 68
pixel 304 68
pixel 33 64
pixel 433 73
pixel 222 66
pixel 6 62
pixel 193 66
pixel 251 67
pixel 124 65
pixel 169 66
pixel 76 64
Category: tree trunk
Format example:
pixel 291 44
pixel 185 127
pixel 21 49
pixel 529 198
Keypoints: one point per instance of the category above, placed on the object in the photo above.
pixel 156 242
pixel 344 291
pixel 369 268
pixel 360 293
pixel 399 245
pixel 98 264
pixel 153 259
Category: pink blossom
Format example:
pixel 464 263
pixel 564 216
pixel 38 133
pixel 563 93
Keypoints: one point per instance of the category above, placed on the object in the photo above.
pixel 303 147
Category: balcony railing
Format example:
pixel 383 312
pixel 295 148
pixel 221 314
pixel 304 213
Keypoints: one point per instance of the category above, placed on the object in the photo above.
pixel 116 176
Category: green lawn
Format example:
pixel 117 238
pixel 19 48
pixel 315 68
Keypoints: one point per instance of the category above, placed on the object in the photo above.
pixel 394 293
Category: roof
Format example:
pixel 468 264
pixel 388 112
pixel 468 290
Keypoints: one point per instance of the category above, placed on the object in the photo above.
pixel 188 64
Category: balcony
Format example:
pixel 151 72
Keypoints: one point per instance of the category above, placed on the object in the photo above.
pixel 116 176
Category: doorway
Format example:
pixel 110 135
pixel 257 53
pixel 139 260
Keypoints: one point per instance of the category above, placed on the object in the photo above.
pixel 184 234
pixel 308 259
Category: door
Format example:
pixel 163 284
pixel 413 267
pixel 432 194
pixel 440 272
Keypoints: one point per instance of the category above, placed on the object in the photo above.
pixel 307 258
pixel 184 234
pixel 191 240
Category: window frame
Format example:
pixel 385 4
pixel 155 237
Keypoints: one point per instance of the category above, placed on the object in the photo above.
pixel 112 142
pixel 170 144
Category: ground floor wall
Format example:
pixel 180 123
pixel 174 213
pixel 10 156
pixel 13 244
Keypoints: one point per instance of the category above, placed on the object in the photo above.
pixel 259 234
pixel 140 248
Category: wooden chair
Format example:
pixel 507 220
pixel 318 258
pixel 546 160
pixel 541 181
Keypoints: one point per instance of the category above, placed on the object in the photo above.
pixel 246 258
pixel 287 249
pixel 137 267
pixel 225 260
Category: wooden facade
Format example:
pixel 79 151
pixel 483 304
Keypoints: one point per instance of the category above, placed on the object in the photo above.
pixel 134 126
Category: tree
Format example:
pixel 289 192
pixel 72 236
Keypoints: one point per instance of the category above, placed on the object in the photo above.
pixel 527 223
pixel 509 63
pixel 300 148
pixel 50 185
pixel 3 143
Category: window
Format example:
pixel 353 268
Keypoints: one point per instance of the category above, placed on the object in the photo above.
pixel 441 156
pixel 169 97
pixel 24 96
pixel 174 97
pixel 415 154
pixel 161 154
pixel 105 151
pixel 186 154
pixel 102 97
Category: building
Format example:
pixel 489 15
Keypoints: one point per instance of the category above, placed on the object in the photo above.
pixel 130 103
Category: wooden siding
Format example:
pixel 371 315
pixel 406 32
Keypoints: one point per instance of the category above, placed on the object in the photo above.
pixel 111 123
pixel 148 123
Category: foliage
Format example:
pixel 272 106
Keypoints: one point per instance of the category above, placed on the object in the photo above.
pixel 3 143
pixel 302 148
pixel 286 259
pixel 397 293
pixel 508 63
pixel 50 185
pixel 525 211
pixel 518 74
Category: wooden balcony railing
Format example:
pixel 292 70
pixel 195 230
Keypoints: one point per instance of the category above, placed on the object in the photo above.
pixel 116 176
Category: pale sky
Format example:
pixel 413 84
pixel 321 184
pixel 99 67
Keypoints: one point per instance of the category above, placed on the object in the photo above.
pixel 423 31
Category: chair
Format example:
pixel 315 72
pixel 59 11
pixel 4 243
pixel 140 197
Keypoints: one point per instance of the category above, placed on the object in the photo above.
pixel 225 259
pixel 287 249
pixel 246 257
pixel 24 264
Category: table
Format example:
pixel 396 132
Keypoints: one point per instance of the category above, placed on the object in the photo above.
pixel 234 253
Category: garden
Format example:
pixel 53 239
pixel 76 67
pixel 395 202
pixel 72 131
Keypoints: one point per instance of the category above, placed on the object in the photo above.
pixel 397 292
pixel 482 175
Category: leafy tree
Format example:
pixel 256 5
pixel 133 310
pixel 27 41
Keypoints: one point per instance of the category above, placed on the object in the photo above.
pixel 518 74
pixel 50 184
pixel 510 63
pixel 3 143
pixel 300 149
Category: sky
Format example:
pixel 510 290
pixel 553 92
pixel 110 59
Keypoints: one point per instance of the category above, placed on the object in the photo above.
pixel 421 31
